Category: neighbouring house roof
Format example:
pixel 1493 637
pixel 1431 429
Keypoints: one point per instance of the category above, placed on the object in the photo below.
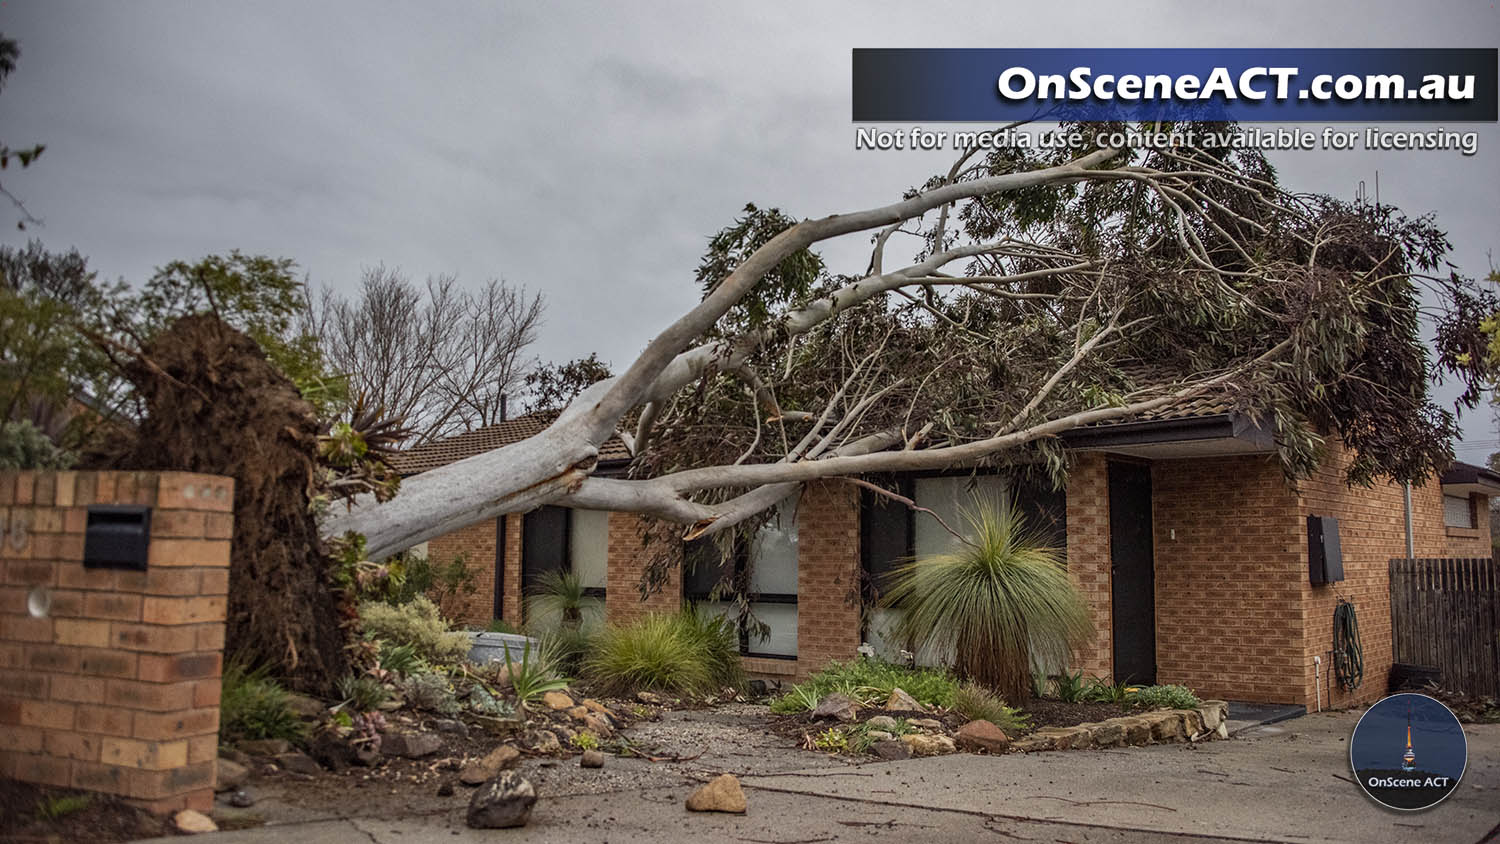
pixel 442 452
pixel 1466 478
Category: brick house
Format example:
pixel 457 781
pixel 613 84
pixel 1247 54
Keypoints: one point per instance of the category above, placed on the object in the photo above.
pixel 1189 545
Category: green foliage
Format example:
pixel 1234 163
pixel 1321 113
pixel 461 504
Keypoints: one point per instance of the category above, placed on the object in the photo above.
pixel 557 598
pixel 432 691
pixel 400 659
pixel 412 574
pixel 416 623
pixel 679 653
pixel 500 625
pixel 831 740
pixel 254 706
pixel 585 740
pixel 482 701
pixel 860 740
pixel 977 703
pixel 565 648
pixel 998 601
pixel 59 807
pixel 24 446
pixel 553 386
pixel 870 682
pixel 535 675
pixel 1100 690
pixel 362 692
pixel 1069 686
pixel 790 281
pixel 1163 697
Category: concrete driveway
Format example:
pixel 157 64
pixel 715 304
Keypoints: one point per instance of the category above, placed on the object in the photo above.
pixel 1288 782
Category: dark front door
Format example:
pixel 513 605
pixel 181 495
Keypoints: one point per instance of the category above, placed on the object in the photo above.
pixel 1133 580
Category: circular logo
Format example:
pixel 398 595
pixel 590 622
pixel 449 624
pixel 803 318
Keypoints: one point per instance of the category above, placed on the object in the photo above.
pixel 1408 752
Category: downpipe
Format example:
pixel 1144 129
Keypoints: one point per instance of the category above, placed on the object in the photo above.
pixel 1318 680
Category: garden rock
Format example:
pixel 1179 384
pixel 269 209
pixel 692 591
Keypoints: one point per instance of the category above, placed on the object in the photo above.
pixel 900 701
pixel 480 770
pixel 241 799
pixel 266 747
pixel 193 822
pixel 650 698
pixel 502 803
pixel 595 706
pixel 835 707
pixel 577 712
pixel 720 794
pixel 1167 726
pixel 882 722
pixel 366 756
pixel 447 725
pixel 925 745
pixel 891 750
pixel 983 735
pixel 306 708
pixel 599 725
pixel 231 775
pixel 925 723
pixel 235 755
pixel 331 751
pixel 1137 730
pixel 445 790
pixel 546 742
pixel 591 759
pixel 557 701
pixel 299 763
pixel 1107 733
pixel 879 735
pixel 410 745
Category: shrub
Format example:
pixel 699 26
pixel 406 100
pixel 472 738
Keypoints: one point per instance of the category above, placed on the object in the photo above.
pixel 585 740
pixel 431 691
pixel 997 602
pixel 25 446
pixel 59 807
pixel 417 623
pixel 869 681
pixel 564 647
pixel 484 703
pixel 535 675
pixel 680 653
pixel 362 692
pixel 500 625
pixel 1103 691
pixel 1163 697
pixel 416 575
pixel 400 659
pixel 1069 687
pixel 831 740
pixel 556 600
pixel 977 703
pixel 253 706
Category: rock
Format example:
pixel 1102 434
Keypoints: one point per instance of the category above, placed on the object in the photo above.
pixel 1222 731
pixel 720 794
pixel 193 822
pixel 758 688
pixel 1034 744
pixel 926 723
pixel 925 745
pixel 1213 713
pixel 239 757
pixel 835 707
pixel 564 734
pixel 557 701
pixel 595 706
pixel 331 750
pixel 546 742
pixel 879 735
pixel 982 735
pixel 1137 730
pixel 1069 738
pixel 307 708
pixel 366 756
pixel 591 759
pixel 882 722
pixel 300 763
pixel 410 745
pixel 448 725
pixel 577 712
pixel 497 760
pixel 891 750
pixel 266 747
pixel 900 701
pixel 241 799
pixel 1166 726
pixel 649 698
pixel 231 775
pixel 502 802
pixel 1107 733
pixel 599 725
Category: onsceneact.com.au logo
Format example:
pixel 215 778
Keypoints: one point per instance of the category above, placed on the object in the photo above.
pixel 1408 752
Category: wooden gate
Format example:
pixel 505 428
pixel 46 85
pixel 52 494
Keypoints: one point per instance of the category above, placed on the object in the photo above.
pixel 1446 613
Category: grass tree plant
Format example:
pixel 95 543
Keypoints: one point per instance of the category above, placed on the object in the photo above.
pixel 995 603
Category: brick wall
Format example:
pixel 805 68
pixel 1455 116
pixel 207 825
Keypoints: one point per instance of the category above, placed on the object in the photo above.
pixel 476 543
pixel 1088 557
pixel 116 687
pixel 1229 578
pixel 627 561
pixel 828 571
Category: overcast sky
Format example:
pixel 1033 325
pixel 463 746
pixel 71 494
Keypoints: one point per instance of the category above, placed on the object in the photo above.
pixel 580 150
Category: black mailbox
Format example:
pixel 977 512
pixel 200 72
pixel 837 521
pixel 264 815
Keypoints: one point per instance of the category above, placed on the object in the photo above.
pixel 117 538
pixel 1325 560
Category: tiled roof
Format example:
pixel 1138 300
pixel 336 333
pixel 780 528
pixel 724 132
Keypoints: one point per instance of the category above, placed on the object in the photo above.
pixel 442 452
pixel 1147 376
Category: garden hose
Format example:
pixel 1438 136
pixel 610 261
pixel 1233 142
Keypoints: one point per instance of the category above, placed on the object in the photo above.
pixel 1348 655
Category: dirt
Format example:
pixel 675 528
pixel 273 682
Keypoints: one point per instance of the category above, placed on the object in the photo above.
pixel 1045 712
pixel 102 820
pixel 214 404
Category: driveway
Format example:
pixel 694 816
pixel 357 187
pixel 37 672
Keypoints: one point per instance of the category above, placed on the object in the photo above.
pixel 1286 782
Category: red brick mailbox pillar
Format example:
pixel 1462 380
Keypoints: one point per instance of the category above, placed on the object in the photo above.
pixel 109 678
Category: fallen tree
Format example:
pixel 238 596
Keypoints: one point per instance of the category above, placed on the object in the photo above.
pixel 1049 290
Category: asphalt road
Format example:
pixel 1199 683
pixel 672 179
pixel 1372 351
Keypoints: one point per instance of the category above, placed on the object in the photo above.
pixel 1288 782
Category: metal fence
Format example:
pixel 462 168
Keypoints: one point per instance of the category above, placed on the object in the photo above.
pixel 1445 612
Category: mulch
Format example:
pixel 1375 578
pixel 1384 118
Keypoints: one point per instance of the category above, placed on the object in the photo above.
pixel 1045 712
pixel 103 820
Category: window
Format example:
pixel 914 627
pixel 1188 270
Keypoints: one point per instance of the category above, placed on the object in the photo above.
pixel 892 533
pixel 1458 511
pixel 567 540
pixel 764 574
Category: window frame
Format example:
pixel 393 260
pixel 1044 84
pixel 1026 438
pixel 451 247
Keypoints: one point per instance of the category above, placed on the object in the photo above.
pixel 739 588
